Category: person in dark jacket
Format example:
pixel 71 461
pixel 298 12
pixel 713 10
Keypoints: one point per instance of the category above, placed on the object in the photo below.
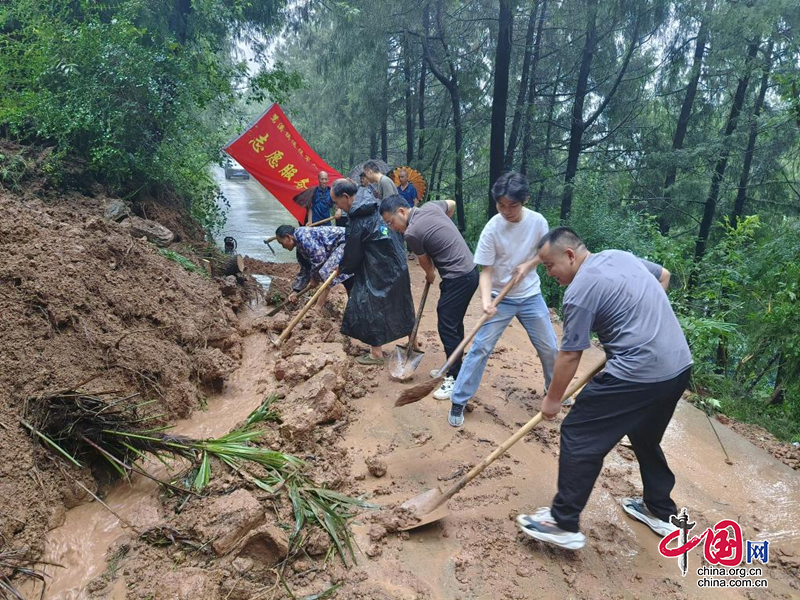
pixel 379 308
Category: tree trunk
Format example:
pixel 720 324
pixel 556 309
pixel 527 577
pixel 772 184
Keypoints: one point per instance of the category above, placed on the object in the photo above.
pixel 502 64
pixel 451 83
pixel 439 185
pixel 373 144
pixel 459 166
pixel 779 392
pixel 722 162
pixel 577 125
pixel 523 88
pixel 409 94
pixel 547 140
pixel 686 107
pixel 741 194
pixel 423 76
pixel 385 138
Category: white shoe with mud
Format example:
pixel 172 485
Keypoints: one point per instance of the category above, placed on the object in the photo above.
pixel 541 526
pixel 456 415
pixel 444 391
pixel 636 508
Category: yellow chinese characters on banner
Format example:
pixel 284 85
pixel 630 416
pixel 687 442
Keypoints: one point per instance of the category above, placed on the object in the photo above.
pixel 276 155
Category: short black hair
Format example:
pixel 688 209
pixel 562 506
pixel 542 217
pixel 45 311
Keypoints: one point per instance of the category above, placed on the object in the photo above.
pixel 344 186
pixel 561 236
pixel 284 230
pixel 362 174
pixel 372 165
pixel 511 185
pixel 392 203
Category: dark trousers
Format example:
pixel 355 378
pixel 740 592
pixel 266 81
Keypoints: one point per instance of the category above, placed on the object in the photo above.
pixel 607 409
pixel 454 298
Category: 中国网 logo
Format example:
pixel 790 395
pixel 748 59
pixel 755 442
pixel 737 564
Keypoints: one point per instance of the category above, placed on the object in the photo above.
pixel 724 549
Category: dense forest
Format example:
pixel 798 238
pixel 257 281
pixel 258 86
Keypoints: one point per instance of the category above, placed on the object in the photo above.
pixel 667 128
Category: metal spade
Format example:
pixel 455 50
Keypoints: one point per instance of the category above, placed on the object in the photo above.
pixel 406 358
pixel 431 505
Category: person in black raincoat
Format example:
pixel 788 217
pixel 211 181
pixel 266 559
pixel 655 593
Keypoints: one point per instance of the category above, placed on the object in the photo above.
pixel 379 308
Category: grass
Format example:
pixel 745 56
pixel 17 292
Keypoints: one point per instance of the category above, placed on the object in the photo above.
pixel 14 562
pixel 104 430
pixel 182 261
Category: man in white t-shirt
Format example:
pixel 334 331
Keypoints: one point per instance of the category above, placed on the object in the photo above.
pixel 506 252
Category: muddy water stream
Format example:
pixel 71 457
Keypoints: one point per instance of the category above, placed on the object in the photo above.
pixel 89 530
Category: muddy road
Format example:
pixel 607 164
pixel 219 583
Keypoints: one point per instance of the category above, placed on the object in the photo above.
pixel 253 214
pixel 476 552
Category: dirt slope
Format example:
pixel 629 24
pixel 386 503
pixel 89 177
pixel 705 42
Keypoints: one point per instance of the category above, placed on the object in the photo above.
pixel 80 300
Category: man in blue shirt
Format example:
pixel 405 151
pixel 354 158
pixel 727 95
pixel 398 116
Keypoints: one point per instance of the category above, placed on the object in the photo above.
pixel 407 189
pixel 322 203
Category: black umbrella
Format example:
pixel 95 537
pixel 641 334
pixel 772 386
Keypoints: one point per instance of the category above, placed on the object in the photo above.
pixel 356 171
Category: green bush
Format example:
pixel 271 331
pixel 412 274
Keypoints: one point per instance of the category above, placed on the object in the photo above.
pixel 131 89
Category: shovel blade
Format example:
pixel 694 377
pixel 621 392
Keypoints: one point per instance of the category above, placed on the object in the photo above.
pixel 428 507
pixel 402 365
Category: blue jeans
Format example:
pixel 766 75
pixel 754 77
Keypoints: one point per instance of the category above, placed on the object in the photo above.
pixel 535 318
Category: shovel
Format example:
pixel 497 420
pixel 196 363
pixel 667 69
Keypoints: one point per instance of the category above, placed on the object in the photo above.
pixel 280 306
pixel 431 506
pixel 419 391
pixel 275 237
pixel 285 333
pixel 406 359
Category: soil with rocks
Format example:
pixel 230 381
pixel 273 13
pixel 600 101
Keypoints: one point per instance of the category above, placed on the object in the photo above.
pixel 786 452
pixel 85 304
pixel 139 322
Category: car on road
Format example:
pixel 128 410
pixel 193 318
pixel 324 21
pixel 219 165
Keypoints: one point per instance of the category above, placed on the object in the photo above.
pixel 234 169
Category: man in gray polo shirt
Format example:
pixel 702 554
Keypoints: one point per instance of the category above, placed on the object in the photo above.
pixel 431 234
pixel 622 298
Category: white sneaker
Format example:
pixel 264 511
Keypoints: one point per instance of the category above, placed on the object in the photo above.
pixel 541 526
pixel 444 391
pixel 636 508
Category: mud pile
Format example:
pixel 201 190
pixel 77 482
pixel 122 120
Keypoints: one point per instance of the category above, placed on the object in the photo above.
pixel 83 303
pixel 786 452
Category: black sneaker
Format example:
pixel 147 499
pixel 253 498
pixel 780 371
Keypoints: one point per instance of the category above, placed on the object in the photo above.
pixel 456 416
pixel 636 508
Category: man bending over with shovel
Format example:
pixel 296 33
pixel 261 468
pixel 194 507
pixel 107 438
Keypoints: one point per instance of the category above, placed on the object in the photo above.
pixel 431 234
pixel 623 299
pixel 506 251
pixel 320 248
pixel 380 308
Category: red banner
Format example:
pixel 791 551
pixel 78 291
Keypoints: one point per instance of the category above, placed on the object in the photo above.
pixel 274 153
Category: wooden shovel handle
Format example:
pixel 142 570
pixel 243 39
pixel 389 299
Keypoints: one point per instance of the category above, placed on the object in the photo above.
pixel 501 449
pixel 314 224
pixel 275 237
pixel 277 309
pixel 460 348
pixel 285 333
pixel 413 338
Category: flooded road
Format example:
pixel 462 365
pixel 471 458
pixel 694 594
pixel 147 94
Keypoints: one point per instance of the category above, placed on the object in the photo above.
pixel 254 214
